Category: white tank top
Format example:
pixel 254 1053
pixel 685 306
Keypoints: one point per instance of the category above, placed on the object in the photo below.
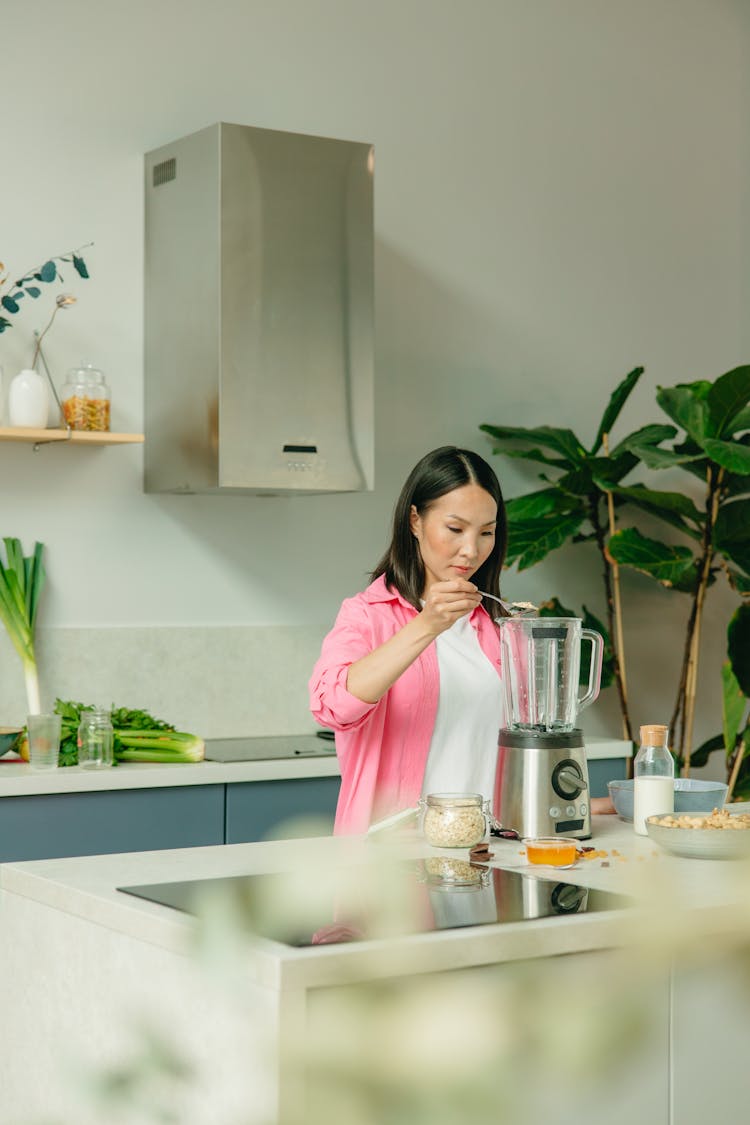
pixel 463 748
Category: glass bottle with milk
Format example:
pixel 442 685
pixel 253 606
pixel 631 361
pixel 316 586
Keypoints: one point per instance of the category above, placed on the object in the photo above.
pixel 653 789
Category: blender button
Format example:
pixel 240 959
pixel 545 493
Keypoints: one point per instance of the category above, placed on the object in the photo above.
pixel 583 809
pixel 554 812
pixel 570 810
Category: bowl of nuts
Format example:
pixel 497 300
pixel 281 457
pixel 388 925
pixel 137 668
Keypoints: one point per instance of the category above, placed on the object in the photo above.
pixel 719 835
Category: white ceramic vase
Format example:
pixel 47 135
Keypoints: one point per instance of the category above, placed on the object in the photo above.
pixel 28 400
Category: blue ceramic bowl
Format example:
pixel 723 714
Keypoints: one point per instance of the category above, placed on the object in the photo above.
pixel 690 795
pixel 9 738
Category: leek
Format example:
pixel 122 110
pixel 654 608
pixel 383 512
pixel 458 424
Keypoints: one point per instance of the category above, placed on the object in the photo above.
pixel 158 746
pixel 21 581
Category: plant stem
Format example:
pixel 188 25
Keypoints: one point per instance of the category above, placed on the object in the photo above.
pixel 611 624
pixel 739 756
pixel 684 712
pixel 619 646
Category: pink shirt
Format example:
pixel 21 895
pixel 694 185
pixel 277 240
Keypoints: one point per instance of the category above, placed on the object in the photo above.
pixel 382 747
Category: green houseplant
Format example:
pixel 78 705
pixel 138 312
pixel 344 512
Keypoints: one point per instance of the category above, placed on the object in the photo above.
pixel 581 502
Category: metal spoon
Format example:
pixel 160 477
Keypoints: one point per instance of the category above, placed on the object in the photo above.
pixel 513 608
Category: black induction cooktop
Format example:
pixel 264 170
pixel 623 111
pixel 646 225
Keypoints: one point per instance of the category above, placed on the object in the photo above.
pixel 352 904
pixel 271 747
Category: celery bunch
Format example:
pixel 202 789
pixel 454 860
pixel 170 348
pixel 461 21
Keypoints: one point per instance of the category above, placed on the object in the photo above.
pixel 158 746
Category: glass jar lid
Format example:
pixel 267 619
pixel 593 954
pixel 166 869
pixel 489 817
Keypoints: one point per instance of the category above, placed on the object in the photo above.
pixel 454 800
pixel 86 375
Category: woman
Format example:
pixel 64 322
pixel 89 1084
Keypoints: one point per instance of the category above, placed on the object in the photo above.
pixel 409 676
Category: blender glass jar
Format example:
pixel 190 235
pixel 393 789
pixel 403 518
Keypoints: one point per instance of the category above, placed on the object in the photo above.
pixel 86 399
pixel 541 663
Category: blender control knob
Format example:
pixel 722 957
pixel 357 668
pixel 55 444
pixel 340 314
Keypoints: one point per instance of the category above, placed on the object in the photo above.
pixel 567 780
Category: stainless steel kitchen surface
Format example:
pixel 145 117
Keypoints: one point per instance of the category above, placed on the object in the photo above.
pixel 259 749
pixel 271 388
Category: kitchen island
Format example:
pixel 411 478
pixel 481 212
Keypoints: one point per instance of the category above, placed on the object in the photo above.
pixel 88 971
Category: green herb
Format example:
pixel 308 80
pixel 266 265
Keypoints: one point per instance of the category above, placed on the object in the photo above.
pixel 21 581
pixel 139 737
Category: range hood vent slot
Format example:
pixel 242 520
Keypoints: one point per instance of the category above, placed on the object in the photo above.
pixel 165 172
pixel 259 314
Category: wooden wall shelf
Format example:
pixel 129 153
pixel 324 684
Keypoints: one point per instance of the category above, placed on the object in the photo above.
pixel 36 437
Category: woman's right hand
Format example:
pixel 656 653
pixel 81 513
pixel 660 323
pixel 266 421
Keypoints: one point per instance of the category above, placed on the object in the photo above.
pixel 446 602
pixel 370 677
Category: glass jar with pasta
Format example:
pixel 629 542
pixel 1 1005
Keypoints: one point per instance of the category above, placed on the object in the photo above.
pixel 85 398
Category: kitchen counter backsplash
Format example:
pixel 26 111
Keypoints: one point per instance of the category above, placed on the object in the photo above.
pixel 218 682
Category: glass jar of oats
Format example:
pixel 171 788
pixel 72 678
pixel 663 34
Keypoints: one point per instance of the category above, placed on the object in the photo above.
pixel 85 398
pixel 454 820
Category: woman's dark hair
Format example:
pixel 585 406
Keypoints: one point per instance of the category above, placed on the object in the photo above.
pixel 439 472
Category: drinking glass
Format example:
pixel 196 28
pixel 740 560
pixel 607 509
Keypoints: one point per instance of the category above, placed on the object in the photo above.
pixel 44 741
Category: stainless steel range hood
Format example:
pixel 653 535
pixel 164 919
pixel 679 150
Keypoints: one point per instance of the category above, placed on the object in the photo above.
pixel 258 313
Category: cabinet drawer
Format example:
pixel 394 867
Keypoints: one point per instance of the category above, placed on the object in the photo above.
pixel 125 820
pixel 259 809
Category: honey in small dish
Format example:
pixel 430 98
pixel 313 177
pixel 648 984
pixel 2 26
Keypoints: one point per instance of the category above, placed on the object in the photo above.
pixel 554 851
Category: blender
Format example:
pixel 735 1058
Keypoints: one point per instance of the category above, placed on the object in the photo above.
pixel 541 781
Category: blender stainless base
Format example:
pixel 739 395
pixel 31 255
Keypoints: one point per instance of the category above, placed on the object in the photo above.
pixel 542 783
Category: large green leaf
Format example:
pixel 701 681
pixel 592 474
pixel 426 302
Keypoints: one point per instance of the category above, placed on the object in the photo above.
pixel 616 402
pixel 741 421
pixel 742 784
pixel 530 541
pixel 739 582
pixel 732 532
pixel 560 441
pixel 738 646
pixel 699 757
pixel 533 455
pixel 728 397
pixel 544 502
pixel 577 483
pixel 733 706
pixel 606 471
pixel 655 458
pixel 673 507
pixel 686 404
pixel 667 564
pixel 730 454
pixel 647 435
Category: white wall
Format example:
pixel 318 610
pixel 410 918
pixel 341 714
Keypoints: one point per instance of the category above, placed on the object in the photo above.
pixel 560 192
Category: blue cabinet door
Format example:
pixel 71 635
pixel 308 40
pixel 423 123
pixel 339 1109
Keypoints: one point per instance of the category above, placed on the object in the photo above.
pixel 602 770
pixel 125 820
pixel 259 810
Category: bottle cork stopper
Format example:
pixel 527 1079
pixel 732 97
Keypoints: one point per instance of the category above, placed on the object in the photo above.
pixel 654 735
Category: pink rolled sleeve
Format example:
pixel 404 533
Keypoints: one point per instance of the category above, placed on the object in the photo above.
pixel 382 747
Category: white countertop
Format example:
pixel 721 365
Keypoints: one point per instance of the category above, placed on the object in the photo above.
pixel 86 888
pixel 17 779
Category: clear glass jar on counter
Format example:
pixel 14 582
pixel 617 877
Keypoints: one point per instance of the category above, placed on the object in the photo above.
pixel 96 739
pixel 86 399
pixel 454 820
